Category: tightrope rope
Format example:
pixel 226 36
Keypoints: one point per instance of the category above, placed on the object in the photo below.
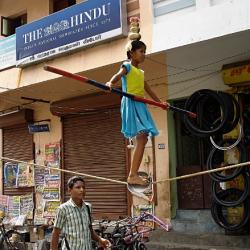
pixel 125 183
pixel 204 172
pixel 65 171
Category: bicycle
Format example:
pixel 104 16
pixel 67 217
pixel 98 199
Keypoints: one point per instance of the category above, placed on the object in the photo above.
pixel 128 233
pixel 131 235
pixel 125 234
pixel 11 239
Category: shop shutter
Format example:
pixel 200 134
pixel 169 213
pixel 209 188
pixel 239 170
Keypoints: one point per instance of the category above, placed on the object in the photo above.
pixel 18 144
pixel 93 144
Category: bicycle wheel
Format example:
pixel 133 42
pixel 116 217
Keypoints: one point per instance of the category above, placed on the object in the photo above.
pixel 15 241
pixel 141 246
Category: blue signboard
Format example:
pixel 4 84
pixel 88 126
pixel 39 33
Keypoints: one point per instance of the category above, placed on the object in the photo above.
pixel 78 26
pixel 8 52
pixel 35 128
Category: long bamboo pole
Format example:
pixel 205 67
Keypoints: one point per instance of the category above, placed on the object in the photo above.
pixel 117 91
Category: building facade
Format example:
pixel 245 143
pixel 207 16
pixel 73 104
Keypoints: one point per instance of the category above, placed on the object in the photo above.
pixel 84 120
pixel 188 42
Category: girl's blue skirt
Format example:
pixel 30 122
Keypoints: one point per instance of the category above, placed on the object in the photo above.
pixel 136 118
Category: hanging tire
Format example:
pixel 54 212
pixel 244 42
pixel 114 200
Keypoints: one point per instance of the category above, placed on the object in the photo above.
pixel 212 120
pixel 219 214
pixel 215 159
pixel 234 116
pixel 207 127
pixel 234 199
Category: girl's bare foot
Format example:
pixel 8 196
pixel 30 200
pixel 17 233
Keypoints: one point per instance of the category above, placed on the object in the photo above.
pixel 136 180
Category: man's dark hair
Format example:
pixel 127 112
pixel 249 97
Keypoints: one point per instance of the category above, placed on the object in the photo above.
pixel 73 180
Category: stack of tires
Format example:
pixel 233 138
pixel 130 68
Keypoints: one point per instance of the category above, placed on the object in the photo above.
pixel 218 113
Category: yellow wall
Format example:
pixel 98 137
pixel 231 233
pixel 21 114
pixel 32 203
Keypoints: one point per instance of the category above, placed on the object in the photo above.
pixel 40 139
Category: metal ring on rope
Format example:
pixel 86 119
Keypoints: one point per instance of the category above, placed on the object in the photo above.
pixel 231 146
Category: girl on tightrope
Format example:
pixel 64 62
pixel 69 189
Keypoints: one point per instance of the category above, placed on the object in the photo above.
pixel 136 119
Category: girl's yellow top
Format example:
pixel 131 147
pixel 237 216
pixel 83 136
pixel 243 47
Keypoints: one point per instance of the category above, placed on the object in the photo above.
pixel 134 80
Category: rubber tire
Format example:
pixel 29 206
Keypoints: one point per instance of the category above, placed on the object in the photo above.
pixel 234 117
pixel 244 194
pixel 217 214
pixel 216 176
pixel 191 105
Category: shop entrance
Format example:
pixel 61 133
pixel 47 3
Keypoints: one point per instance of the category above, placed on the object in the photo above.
pixel 93 144
pixel 192 153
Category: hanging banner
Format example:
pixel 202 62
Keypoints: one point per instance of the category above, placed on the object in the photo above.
pixel 78 26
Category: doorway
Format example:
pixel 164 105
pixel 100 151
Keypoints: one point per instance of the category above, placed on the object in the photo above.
pixel 192 153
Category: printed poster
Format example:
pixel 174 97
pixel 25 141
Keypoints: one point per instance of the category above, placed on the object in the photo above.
pixel 39 199
pixel 38 217
pixel 3 204
pixel 145 225
pixel 51 194
pixel 52 181
pixel 27 206
pixel 50 209
pixel 25 175
pixel 14 206
pixel 52 155
pixel 39 174
pixel 10 174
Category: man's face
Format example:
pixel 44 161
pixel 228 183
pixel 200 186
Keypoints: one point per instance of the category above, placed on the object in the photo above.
pixel 78 191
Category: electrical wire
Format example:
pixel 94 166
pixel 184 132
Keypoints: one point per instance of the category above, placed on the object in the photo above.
pixel 201 66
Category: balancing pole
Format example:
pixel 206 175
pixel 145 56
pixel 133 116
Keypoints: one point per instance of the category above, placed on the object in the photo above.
pixel 117 91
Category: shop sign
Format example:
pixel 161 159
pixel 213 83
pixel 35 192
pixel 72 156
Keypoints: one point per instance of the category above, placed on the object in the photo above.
pixel 236 74
pixel 76 27
pixel 36 128
pixel 8 52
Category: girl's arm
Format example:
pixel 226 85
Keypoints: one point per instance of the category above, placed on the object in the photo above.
pixel 151 93
pixel 117 77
